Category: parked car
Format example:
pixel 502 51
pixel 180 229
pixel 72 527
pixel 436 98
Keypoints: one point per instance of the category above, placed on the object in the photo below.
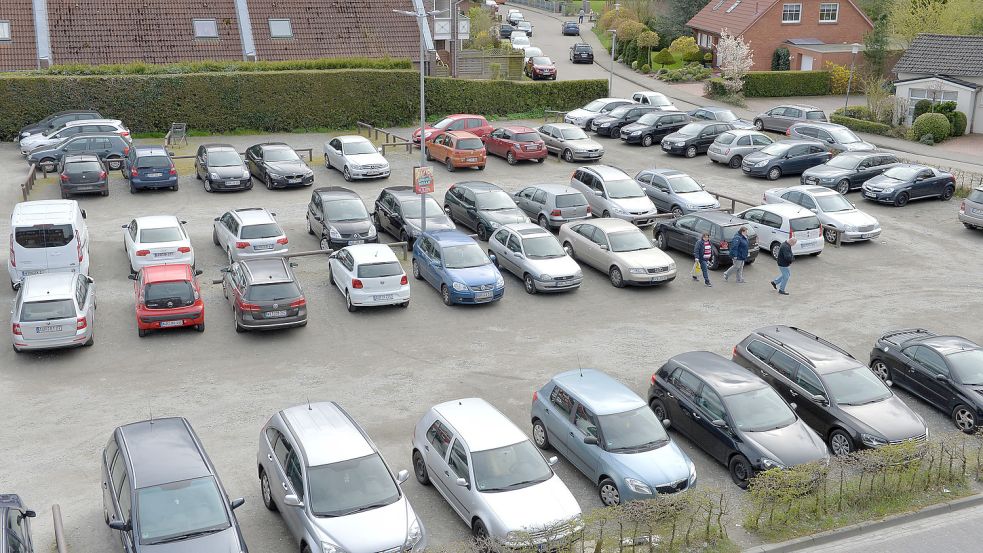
pixel 582 117
pixel 516 143
pixel 453 263
pixel 332 487
pixel 278 166
pixel 168 296
pixel 525 27
pixel 520 40
pixel 786 157
pixel 540 67
pixel 338 218
pixel 610 124
pixel 369 275
pixel 675 192
pixel 110 148
pixel 849 170
pixel 457 149
pixel 694 138
pixel 581 52
pixel 482 207
pixel 157 240
pixel 533 254
pixel 732 415
pixel 529 52
pixel 570 28
pixel 476 457
pixel 944 371
pixel 840 219
pixel 837 395
pixel 220 167
pixel 356 158
pixel 56 120
pixel 612 193
pixel 514 17
pixel 83 174
pixel 836 138
pixel 505 31
pixel 474 124
pixel 47 236
pixel 905 182
pixel 652 127
pixel 611 435
pixel 650 98
pixel 782 117
pixel 150 168
pixel 731 146
pixel 264 294
pixel 618 249
pixel 398 212
pixel 570 142
pixel 16 534
pixel 682 234
pixel 552 205
pixel 247 233
pixel 775 223
pixel 53 310
pixel 722 115
pixel 72 128
pixel 160 491
pixel 971 210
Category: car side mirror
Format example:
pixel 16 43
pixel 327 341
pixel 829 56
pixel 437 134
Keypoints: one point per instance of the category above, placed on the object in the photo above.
pixel 814 209
pixel 941 378
pixel 90 279
pixel 590 440
pixel 379 150
pixel 793 405
pixel 124 226
pixel 604 247
pixel 30 514
pixel 236 503
pixel 119 525
pixel 492 257
pixel 224 269
pixel 292 264
pixel 598 192
pixel 462 482
pixel 719 423
pixel 83 213
pixel 272 214
pixel 820 399
pixel 216 219
pixel 130 276
pixel 291 500
pixel 199 272
pixel 184 222
pixel 402 476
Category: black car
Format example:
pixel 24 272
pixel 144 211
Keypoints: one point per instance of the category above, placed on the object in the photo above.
pixel 694 138
pixel 220 167
pixel 581 53
pixel 902 183
pixel 732 415
pixel 15 534
pixel 653 127
pixel 482 207
pixel 338 216
pixel 837 395
pixel 398 211
pixel 722 115
pixel 83 174
pixel 570 28
pixel 278 166
pixel 682 234
pixel 57 120
pixel 849 170
pixel 786 157
pixel 110 148
pixel 945 371
pixel 611 123
pixel 505 31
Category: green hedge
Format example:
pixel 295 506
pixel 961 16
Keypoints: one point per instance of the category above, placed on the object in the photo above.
pixel 216 66
pixel 787 83
pixel 276 101
pixel 859 124
pixel 934 124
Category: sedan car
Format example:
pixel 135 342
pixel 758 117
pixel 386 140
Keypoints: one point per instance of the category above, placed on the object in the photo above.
pixel 369 275
pixel 83 174
pixel 971 209
pixel 457 149
pixel 524 26
pixel 482 207
pixel 157 240
pixel 516 143
pixel 53 310
pixel 356 158
pixel 220 167
pixel 841 219
pixel 570 28
pixel 338 218
pixel 675 192
pixel 570 142
pixel 905 182
pixel 652 127
pixel 780 118
pixel 533 254
pixel 249 233
pixel 786 157
pixel 505 31
pixel 609 433
pixel 681 234
pixel 540 67
pixel 520 40
pixel 694 138
pixel 582 117
pixel 836 138
pixel 581 52
pixel 278 166
pixel 264 294
pixel 57 120
pixel 168 296
pixel 618 249
pixel 722 115
pixel 399 211
pixel 731 146
pixel 552 205
pixel 849 170
pixel 610 124
pixel 453 263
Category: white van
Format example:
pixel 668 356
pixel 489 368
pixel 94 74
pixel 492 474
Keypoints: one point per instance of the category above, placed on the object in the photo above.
pixel 47 236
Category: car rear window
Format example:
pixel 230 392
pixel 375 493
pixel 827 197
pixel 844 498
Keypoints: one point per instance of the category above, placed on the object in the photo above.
pixel 470 144
pixel 153 162
pixel 726 138
pixel 273 291
pixel 44 236
pixel 976 196
pixel 731 231
pixel 178 293
pixel 527 137
pixel 49 310
pixel 82 166
pixel 570 200
pixel 154 235
pixel 815 116
pixel 376 270
pixel 582 48
pixel 805 223
pixel 262 230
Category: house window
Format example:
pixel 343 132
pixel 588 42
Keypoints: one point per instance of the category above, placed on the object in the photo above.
pixel 205 28
pixel 828 12
pixel 791 13
pixel 4 30
pixel 280 28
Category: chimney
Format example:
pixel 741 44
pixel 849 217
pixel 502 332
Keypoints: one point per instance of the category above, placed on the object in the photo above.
pixel 755 7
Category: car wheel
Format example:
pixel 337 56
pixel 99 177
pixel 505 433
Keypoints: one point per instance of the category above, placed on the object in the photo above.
pixel 200 328
pixel 141 332
pixel 529 283
pixel 347 174
pixel 647 140
pixel 482 233
pixel 829 235
pixel 405 304
pixel 310 229
pixel 759 125
pixel 615 132
pixel 606 214
pixel 64 195
pixel 133 189
pixel 901 199
pixel 479 531
pixel 677 211
pixel 403 237
pixel 208 185
pixel 608 491
pixel 324 244
pixel 269 182
pixel 429 157
pixel 660 411
pixel 947 193
pixel 235 319
pixel 840 443
pixel 47 164
pixel 114 163
pixel 264 487
pixel 568 248
pixel 348 303
pixel 661 242
pixel 714 263
pixel 617 279
pixel 540 160
pixel 881 370
pixel 494 258
pixel 775 248
pixel 740 471
pixel 420 469
pixel 481 167
pixel 735 162
pixel 416 271
pixel 568 155
pixel 445 294
pixel 510 157
pixel 327 162
pixel 539 436
pixel 449 165
pixel 544 223
pixel 964 419
pixel 214 237
pixel 843 186
pixel 691 151
pixel 774 173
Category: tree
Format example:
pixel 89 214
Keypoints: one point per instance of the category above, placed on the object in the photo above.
pixel 875 45
pixel 683 45
pixel 482 34
pixel 648 40
pixel 629 30
pixel 735 58
pixel 664 57
pixel 947 17
pixel 672 24
pixel 781 60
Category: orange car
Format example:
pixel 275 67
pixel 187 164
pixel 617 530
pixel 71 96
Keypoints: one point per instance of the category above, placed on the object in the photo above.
pixel 457 149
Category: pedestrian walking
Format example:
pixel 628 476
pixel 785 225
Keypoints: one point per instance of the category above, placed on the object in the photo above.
pixel 702 252
pixel 581 16
pixel 785 260
pixel 739 248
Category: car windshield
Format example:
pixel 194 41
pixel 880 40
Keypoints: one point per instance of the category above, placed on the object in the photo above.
pixel 759 410
pixel 856 386
pixel 351 486
pixel 412 208
pixel 273 291
pixel 691 129
pixel 632 430
pixel 43 236
pixel 843 162
pixel 844 136
pixel 153 162
pixel 280 154
pixel 494 200
pixel 620 111
pixel 464 256
pixel 595 106
pixel 378 270
pixel 831 203
pixel 36 311
pixel 571 200
pixel 726 116
pixel 526 137
pixel 470 144
pixel 542 247
pixel 683 184
pixel 967 366
pixel 180 510
pixel 360 147
pixel 509 468
pixel 902 173
pixel 224 158
pixel 163 234
pixel 775 149
pixel 804 223
pixel 82 166
pixel 573 134
pixel 345 210
pixel 976 196
pixel 648 119
pixel 262 230
pixel 180 290
pixel 623 188
pixel 582 48
pixel 541 60
pixel 629 241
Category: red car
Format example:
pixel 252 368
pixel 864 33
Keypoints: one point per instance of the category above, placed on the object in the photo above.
pixel 168 296
pixel 540 67
pixel 515 144
pixel 474 124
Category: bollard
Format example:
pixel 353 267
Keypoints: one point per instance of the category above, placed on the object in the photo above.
pixel 59 529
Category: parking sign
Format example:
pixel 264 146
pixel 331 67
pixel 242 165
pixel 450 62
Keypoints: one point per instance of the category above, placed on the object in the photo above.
pixel 423 179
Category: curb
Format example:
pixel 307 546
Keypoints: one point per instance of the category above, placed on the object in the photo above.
pixel 830 536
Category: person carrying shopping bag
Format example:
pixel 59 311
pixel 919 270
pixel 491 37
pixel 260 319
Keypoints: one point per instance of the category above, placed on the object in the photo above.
pixel 702 252
pixel 739 250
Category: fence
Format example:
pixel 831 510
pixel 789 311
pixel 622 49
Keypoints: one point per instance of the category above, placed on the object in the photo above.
pixel 568 7
pixel 28 184
pixel 490 64
pixel 550 114
pixel 733 201
pixel 392 140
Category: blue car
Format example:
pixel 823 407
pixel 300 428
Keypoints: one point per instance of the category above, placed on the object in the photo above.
pixel 149 168
pixel 611 435
pixel 453 263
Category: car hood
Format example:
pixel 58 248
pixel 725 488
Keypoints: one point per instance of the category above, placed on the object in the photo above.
pixel 557 266
pixel 641 203
pixel 755 157
pixel 581 112
pixel 374 158
pixel 31 129
pixel 225 541
pixel 228 172
pixel 657 467
pixel 826 171
pixel 349 227
pixel 506 216
pixel 583 144
pixel 698 198
pixel 533 507
pixel 635 127
pixel 742 124
pixel 475 276
pixel 678 137
pixel 42 151
pixel 373 530
pixel 792 445
pixel 883 180
pixel 288 167
pixel 601 119
pixel 851 217
pixel 890 418
pixel 859 147
pixel 437 222
pixel 33 141
pixel 541 67
pixel 650 258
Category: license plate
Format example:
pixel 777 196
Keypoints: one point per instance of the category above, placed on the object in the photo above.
pixel 382 297
pixel 154 175
pixel 46 329
pixel 293 181
pixel 353 242
pixel 263 247
pixel 870 194
pixel 482 295
pixel 164 254
pixel 471 159
pixel 231 183
pixel 275 314
pixel 659 278
pixel 38 272
pixel 976 211
pixel 165 324
pixel 867 235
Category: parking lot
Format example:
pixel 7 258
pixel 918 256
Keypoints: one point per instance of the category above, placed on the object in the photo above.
pixel 387 366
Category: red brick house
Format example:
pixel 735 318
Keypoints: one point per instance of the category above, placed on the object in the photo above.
pixel 18 47
pixel 814 31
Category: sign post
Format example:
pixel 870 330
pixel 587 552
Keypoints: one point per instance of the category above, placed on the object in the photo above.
pixel 423 185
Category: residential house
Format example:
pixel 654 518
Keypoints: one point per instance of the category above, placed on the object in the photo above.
pixel 18 46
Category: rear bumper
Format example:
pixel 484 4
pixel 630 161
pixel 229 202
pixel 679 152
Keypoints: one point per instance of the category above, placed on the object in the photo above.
pixel 145 184
pixel 525 155
pixel 369 299
pixel 722 158
pixel 238 255
pixel 146 261
pixel 557 222
pixel 158 319
pixel 87 188
pixel 80 338
pixel 970 219
pixel 246 321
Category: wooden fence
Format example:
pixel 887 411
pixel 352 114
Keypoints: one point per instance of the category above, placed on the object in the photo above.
pixel 478 64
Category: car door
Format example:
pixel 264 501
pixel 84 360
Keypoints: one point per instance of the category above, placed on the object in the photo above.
pixel 288 480
pixel 315 214
pixel 17 531
pixel 129 241
pixel 771 228
pixel 930 376
pixel 715 440
pixel 469 209
pixel 537 204
pixel 346 265
pixel 494 142
pixel 597 250
pixel 388 214
pixel 585 242
pixel 335 153
pixel 683 387
pixel 780 374
pixel 773 119
pixel 201 162
pixel 933 183
pixel 251 161
pixel 435 451
pixel 661 193
pixel 808 385
pixel 683 237
pixel 584 456
pixel 546 133
pixel 514 259
pixel 558 416
pixel 86 299
pixel 458 465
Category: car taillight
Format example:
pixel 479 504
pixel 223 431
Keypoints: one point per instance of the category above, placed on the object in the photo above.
pixel 653 379
pixel 724 245
pixel 184 249
pixel 133 172
pixel 535 396
pixel 81 323
pixel 242 245
pixel 126 150
pixel 282 240
pixel 403 281
pixel 13 258
pixel 15 328
pixel 734 352
pixel 788 131
pixel 64 177
pixel 555 213
pixel 78 249
pixel 962 207
pixel 299 303
pixel 102 174
pixel 124 133
pixel 142 253
pixel 173 171
pixel 246 306
pixel 588 209
pixel 356 283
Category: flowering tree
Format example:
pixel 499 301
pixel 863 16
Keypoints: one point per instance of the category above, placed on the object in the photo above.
pixel 734 56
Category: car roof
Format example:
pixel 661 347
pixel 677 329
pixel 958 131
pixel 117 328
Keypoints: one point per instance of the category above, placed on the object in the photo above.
pixel 460 134
pixel 449 237
pixel 824 356
pixel 253 215
pixel 864 154
pixel 266 270
pixel 562 126
pixel 402 192
pixel 605 171
pixel 48 286
pixel 723 375
pixel 798 141
pixel 166 273
pixel 463 115
pixel 518 128
pixel 78 122
pixel 555 189
pixel 43 211
pixel 820 124
pixel 742 132
pixel 601 393
pixel 611 224
pixel 336 192
pixel 705 123
pixel 78 158
pixel 157 221
pixel 526 230
pixel 946 344
pixel 162 451
pixel 326 433
pixel 479 424
pixel 786 210
pixel 714 109
pixel 218 146
pixel 800 106
pixel 352 138
pixel 666 172
pixel 719 217
pixel 150 151
pixel 371 253
pixel 265 145
pixel 477 185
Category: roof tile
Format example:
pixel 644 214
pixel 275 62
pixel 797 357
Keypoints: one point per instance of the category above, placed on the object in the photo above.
pixel 20 52
pixel 955 55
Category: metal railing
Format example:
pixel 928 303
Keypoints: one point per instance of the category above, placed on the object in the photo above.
pixel 59 529
pixel 28 184
pixel 308 151
pixel 393 140
pixel 733 201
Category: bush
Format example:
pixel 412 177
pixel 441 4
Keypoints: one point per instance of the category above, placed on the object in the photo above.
pixel 693 56
pixel 934 124
pixel 786 83
pixel 944 107
pixel 648 69
pixel 839 78
pixel 856 112
pixel 927 140
pixel 922 106
pixel 689 72
pixel 634 64
pixel 957 120
pixel 664 57
pixel 860 125
pixel 714 88
pixel 213 66
pixel 781 60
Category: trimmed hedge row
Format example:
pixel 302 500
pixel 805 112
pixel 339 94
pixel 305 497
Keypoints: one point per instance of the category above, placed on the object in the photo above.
pixel 276 101
pixel 860 125
pixel 787 83
pixel 217 66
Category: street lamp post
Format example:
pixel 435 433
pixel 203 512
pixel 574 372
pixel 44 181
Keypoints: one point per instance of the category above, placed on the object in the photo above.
pixel 854 48
pixel 614 48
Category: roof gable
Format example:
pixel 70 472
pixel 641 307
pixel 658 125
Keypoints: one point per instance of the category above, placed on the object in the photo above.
pixel 734 15
pixel 953 55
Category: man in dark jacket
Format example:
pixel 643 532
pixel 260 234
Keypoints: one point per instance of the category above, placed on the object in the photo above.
pixel 739 250
pixel 785 259
pixel 702 252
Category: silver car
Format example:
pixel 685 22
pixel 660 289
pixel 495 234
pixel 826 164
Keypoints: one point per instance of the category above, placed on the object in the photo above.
pixel 731 146
pixel 552 205
pixel 612 193
pixel 780 118
pixel 356 158
pixel 333 489
pixel 836 138
pixel 570 142
pixel 675 192
pixel 835 212
pixel 971 210
pixel 620 250
pixel 53 310
pixel 248 233
pixel 534 255
pixel 582 117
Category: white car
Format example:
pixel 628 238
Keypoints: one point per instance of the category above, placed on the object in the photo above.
pixel 649 98
pixel 520 41
pixel 53 310
pixel 369 275
pixel 837 215
pixel 582 117
pixel 530 52
pixel 47 236
pixel 356 157
pixel 249 233
pixel 775 223
pixel 157 240
pixel 72 128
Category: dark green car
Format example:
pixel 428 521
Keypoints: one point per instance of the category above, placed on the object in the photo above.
pixel 482 207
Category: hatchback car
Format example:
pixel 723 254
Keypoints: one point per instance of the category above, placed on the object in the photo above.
pixel 836 138
pixel 732 415
pixel 157 240
pixel 838 396
pixel 533 254
pixel 721 115
pixel 332 487
pixel 161 492
pixel 552 205
pixel 83 174
pixel 611 436
pixel 248 233
pixel 524 26
pixel 168 296
pixel 72 128
pixel 681 234
pixel 492 476
pixel 610 124
pixel 264 294
pixel 111 149
pixel 612 193
pixel 849 170
pixel 456 149
pixel 780 118
pixel 731 146
pixel 652 127
pixel 514 17
pixel 369 275
pixel 775 223
pixel 582 117
pixel 56 120
pixel 220 167
pixel 570 142
pixel 540 67
pixel 786 157
pixel 356 157
pixel 516 143
pixel 620 250
pixel 338 217
pixel 905 182
pixel 971 209
pixel 474 124
pixel 530 52
pixel 694 138
pixel 505 31
pixel 519 40
pixel 570 28
pixel 150 168
pixel 399 211
pixel 581 52
pixel 675 192
pixel 841 219
pixel 657 99
pixel 481 206
pixel 15 536
pixel 53 310
pixel 278 166
pixel 453 263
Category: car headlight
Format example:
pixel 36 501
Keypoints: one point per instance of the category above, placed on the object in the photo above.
pixel 637 270
pixel 274 175
pixel 618 210
pixel 333 233
pixel 638 486
pixel 213 176
pixel 636 133
pixel 680 144
pixel 245 173
pixel 427 134
pixel 604 125
pixel 827 179
pixel 328 547
pixel 354 165
pixel 672 265
pixel 372 231
pixel 578 274
pixel 888 190
pixel 761 163
pixel 545 276
pixel 771 464
pixel 871 440
pixel 692 473
pixel 499 282
pixel 494 225
pixel 414 533
pixel 459 286
pixel 851 228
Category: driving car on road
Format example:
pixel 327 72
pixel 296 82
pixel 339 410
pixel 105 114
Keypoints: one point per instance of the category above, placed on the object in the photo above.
pixel 481 206
pixel 836 138
pixel 369 275
pixel 570 28
pixel 53 310
pixel 612 193
pixel 782 117
pixel 540 67
pixel 731 146
pixel 519 39
pixel 83 174
pixel 570 142
pixel 220 167
pixel 338 217
pixel 581 52
pixel 516 143
pixel 552 205
pixel 356 157
pixel 618 249
pixel 264 294
pixel 157 240
pixel 775 223
pixel 524 26
pixel 168 296
pixel 398 212
pixel 652 127
pixel 582 117
pixel 248 233
pixel 278 166
pixel 505 31
pixel 453 263
pixel 694 138
pixel 675 192
pixel 722 115
pixel 681 234
pixel 786 157
pixel 457 149
pixel 840 218
pixel 971 209
pixel 905 182
pixel 533 254
pixel 849 170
